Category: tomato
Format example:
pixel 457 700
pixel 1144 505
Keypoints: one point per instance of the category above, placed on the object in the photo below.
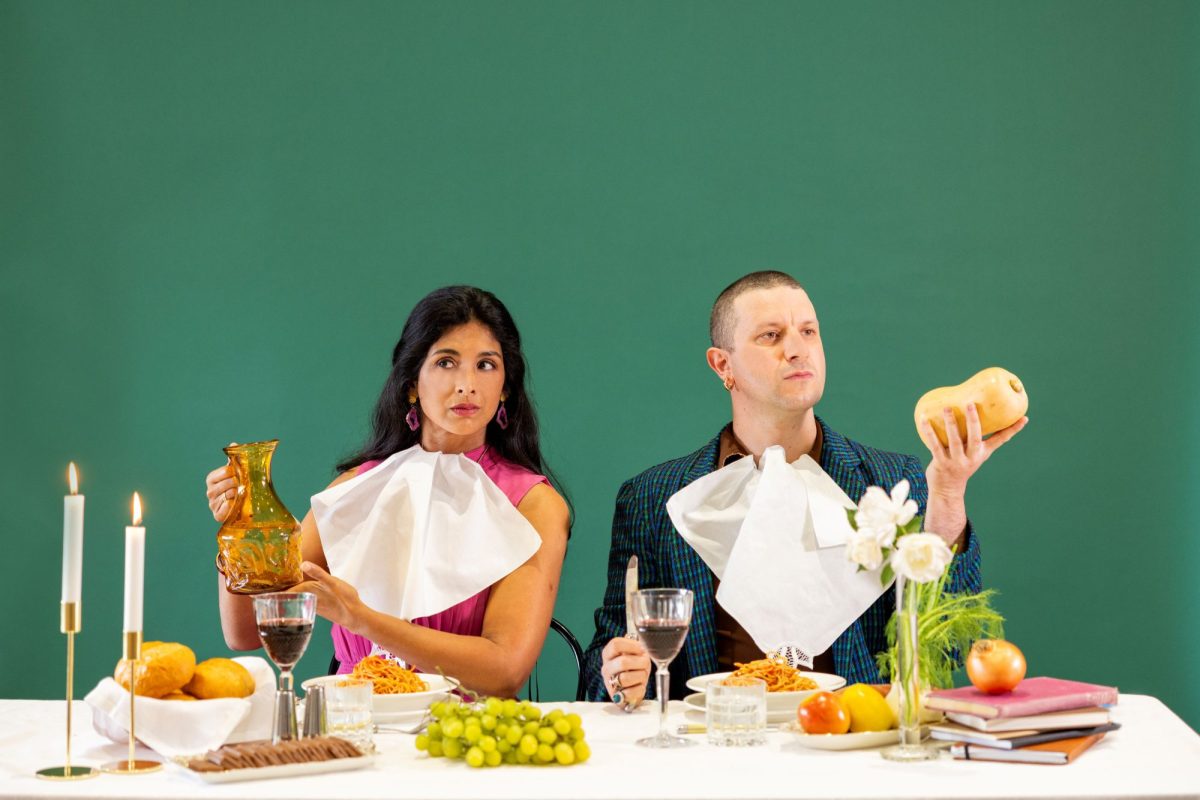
pixel 823 712
pixel 995 666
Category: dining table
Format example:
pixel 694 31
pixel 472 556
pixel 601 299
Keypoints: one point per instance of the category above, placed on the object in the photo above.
pixel 1154 754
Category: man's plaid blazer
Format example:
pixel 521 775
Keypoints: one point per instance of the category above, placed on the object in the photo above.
pixel 641 527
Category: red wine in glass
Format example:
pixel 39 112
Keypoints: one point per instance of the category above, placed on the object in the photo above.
pixel 662 637
pixel 285 639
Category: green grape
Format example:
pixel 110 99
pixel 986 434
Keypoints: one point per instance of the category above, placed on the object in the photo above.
pixel 452 748
pixel 492 731
pixel 564 753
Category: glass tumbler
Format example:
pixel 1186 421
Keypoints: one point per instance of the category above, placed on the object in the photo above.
pixel 348 711
pixel 736 714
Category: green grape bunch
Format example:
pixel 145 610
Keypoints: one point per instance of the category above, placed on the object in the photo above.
pixel 490 732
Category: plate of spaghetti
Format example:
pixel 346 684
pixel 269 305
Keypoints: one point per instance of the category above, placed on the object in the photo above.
pixel 398 692
pixel 786 685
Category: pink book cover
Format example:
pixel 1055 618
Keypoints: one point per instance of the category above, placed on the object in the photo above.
pixel 1032 696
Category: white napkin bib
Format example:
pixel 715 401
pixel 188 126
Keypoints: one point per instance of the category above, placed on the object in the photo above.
pixel 421 532
pixel 775 537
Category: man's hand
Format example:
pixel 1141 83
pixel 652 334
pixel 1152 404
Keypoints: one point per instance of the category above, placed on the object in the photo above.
pixel 952 466
pixel 625 669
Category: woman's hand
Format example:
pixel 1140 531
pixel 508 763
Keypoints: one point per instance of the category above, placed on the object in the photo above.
pixel 221 488
pixel 337 601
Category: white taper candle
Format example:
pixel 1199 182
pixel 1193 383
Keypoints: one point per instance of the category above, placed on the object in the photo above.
pixel 135 558
pixel 72 557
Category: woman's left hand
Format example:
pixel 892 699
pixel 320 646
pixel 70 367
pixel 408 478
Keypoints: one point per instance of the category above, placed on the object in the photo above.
pixel 337 601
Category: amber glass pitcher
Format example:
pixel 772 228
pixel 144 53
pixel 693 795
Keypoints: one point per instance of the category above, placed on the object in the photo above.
pixel 259 543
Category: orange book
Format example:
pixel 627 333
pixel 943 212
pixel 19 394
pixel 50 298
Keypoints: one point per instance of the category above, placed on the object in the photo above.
pixel 1064 751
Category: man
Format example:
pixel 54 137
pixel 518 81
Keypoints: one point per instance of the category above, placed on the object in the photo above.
pixel 766 350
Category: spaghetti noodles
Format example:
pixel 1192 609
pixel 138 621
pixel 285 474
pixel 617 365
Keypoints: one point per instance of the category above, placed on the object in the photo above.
pixel 775 672
pixel 388 676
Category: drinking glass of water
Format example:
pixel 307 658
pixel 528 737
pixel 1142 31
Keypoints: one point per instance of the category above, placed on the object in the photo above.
pixel 662 617
pixel 348 708
pixel 736 713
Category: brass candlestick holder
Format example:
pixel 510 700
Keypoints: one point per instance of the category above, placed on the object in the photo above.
pixel 132 766
pixel 70 625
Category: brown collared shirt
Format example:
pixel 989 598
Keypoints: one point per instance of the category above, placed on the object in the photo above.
pixel 734 645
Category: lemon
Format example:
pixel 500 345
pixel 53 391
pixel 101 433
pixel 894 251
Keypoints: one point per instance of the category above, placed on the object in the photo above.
pixel 868 710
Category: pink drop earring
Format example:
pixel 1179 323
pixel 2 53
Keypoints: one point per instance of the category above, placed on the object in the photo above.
pixel 413 418
pixel 502 416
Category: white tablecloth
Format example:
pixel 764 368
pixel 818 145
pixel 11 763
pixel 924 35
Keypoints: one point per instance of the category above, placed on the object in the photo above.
pixel 1153 755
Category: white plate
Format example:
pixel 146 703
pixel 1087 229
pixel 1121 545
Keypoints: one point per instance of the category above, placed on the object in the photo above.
pixel 695 702
pixel 395 707
pixel 777 701
pixel 282 770
pixel 844 741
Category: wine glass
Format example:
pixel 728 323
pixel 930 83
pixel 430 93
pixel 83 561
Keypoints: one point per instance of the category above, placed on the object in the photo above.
pixel 662 617
pixel 285 623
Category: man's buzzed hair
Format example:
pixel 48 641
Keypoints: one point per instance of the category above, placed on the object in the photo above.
pixel 720 324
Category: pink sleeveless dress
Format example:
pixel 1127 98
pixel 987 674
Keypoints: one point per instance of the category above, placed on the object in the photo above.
pixel 466 618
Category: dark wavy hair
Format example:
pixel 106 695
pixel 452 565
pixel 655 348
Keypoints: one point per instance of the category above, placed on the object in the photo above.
pixel 436 313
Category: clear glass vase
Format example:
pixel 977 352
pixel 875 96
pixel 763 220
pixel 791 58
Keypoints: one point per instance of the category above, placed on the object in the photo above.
pixel 907 680
pixel 259 543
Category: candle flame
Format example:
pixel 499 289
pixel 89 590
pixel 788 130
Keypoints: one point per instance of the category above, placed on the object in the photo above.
pixel 137 510
pixel 74 478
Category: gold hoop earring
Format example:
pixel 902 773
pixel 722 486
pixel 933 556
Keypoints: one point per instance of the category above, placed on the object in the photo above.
pixel 729 384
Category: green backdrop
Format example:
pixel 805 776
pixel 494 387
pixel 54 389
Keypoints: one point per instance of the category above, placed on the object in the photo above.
pixel 215 218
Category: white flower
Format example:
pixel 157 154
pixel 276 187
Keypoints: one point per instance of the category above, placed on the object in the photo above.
pixel 882 513
pixel 863 548
pixel 921 557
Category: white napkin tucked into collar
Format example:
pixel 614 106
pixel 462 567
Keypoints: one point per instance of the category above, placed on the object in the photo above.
pixel 775 537
pixel 179 728
pixel 421 532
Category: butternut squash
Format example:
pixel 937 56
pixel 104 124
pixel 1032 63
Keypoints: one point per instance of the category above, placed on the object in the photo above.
pixel 997 394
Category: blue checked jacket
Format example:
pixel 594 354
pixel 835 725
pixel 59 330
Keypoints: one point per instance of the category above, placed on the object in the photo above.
pixel 641 527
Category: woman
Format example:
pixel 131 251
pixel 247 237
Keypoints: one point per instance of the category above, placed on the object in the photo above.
pixel 457 385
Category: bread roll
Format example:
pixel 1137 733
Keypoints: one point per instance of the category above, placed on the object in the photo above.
pixel 178 696
pixel 220 677
pixel 164 667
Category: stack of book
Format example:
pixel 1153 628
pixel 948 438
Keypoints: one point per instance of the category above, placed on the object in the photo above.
pixel 1042 721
